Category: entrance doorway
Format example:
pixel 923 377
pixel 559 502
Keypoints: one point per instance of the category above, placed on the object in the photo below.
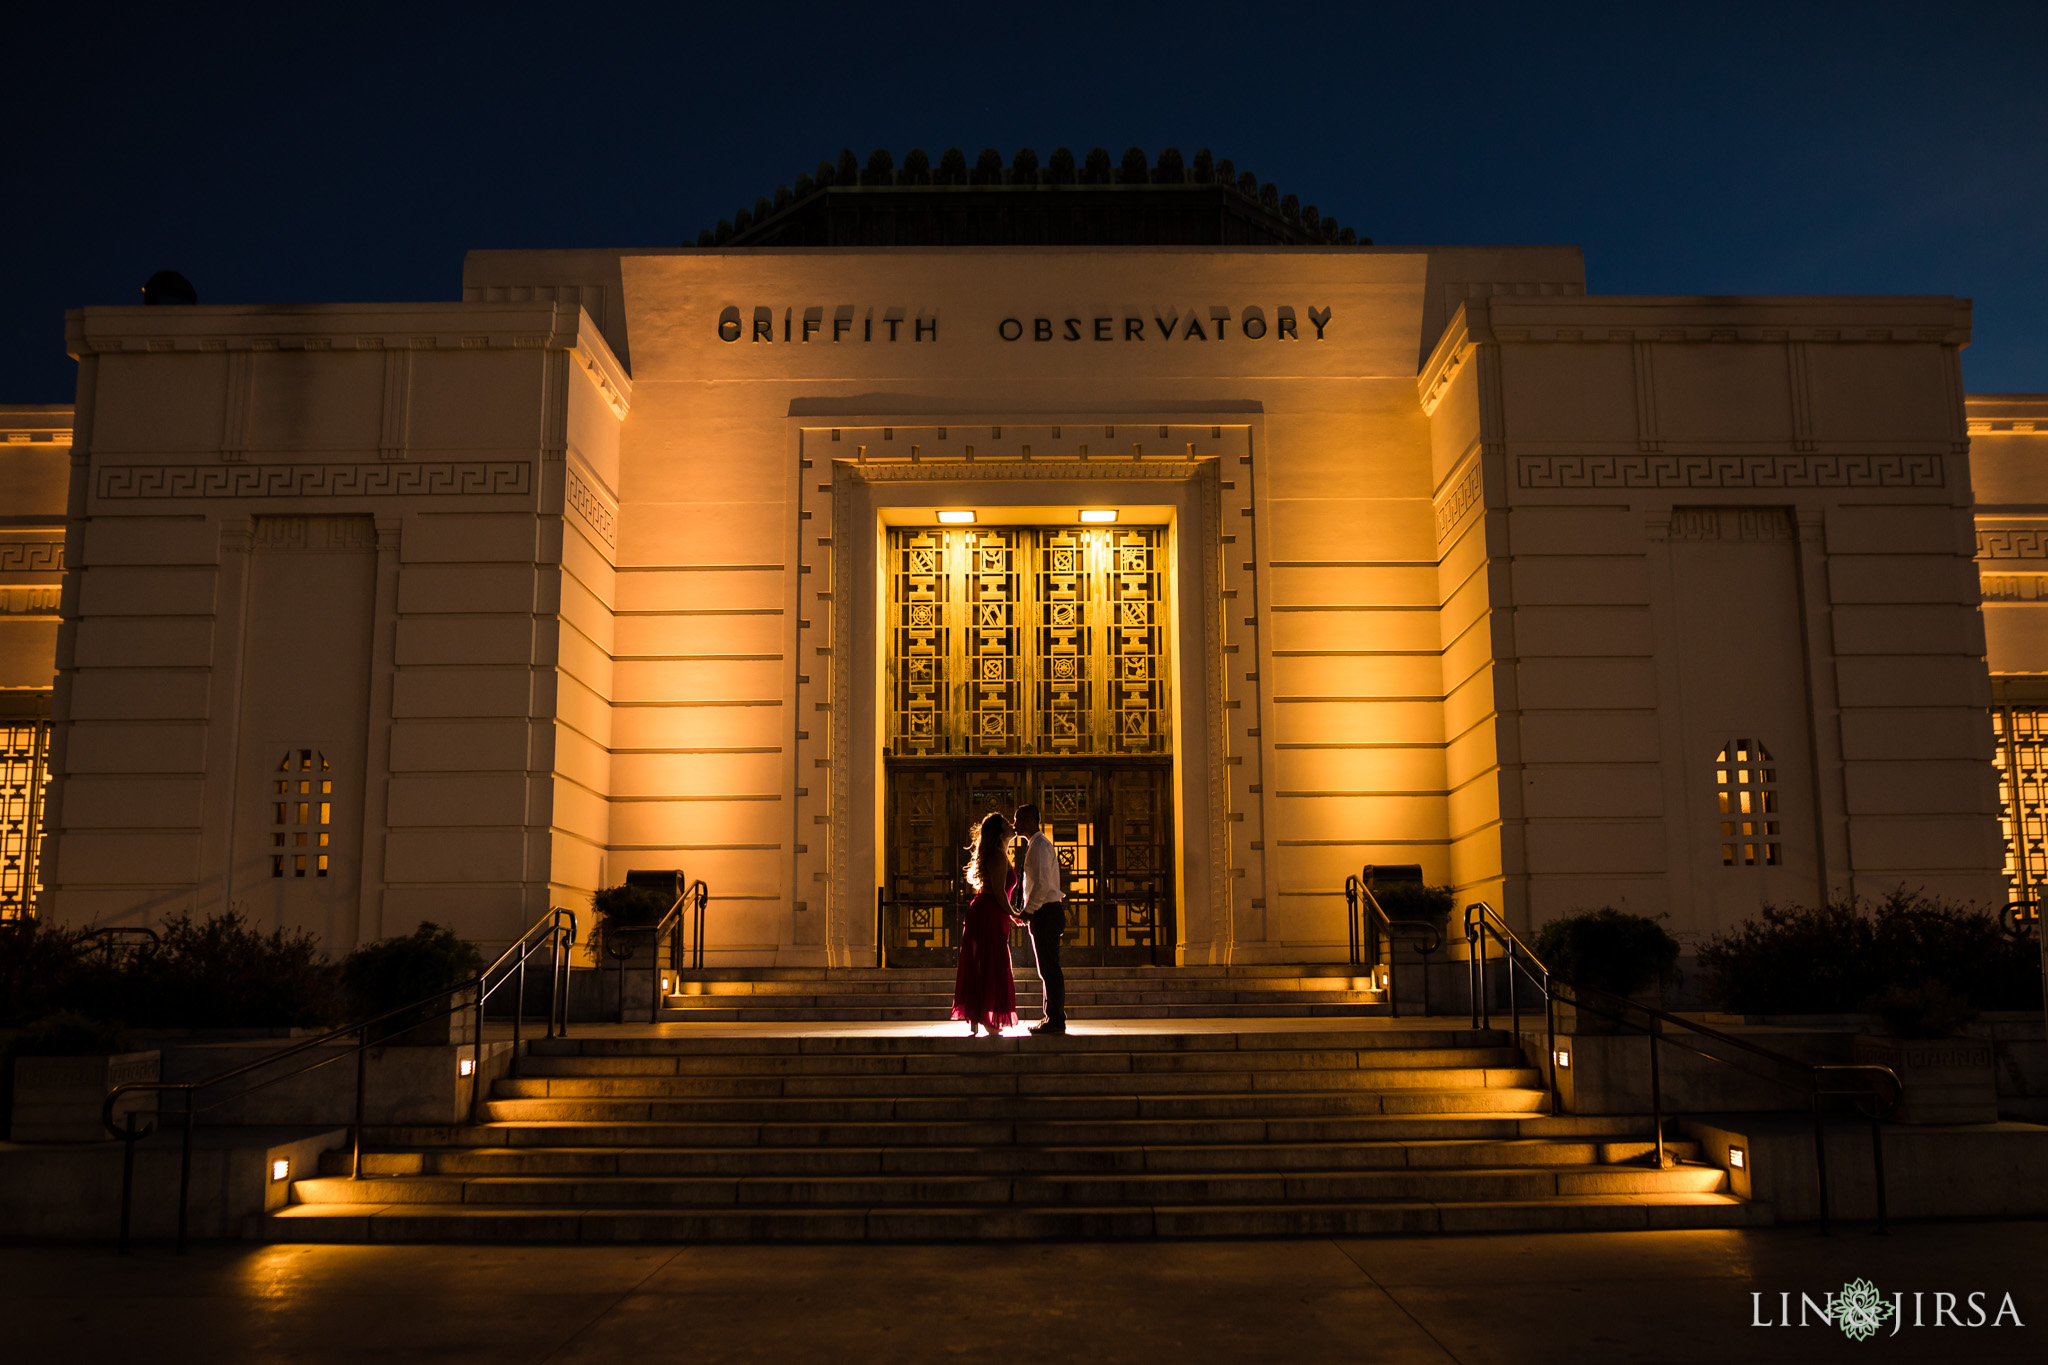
pixel 1029 664
pixel 1111 822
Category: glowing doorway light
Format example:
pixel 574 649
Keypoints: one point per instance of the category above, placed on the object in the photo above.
pixel 1098 514
pixel 956 518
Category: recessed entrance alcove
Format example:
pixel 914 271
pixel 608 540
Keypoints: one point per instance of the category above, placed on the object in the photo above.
pixel 1014 652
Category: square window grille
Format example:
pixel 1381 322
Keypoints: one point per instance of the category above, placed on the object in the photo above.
pixel 302 816
pixel 1746 792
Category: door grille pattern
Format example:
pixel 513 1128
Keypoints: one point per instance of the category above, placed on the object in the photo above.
pixel 24 777
pixel 2021 756
pixel 1013 641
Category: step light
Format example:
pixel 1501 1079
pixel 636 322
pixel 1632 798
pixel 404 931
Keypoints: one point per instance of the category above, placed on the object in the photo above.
pixel 956 518
pixel 280 1169
pixel 1098 514
pixel 1738 1159
pixel 466 1067
pixel 1564 1060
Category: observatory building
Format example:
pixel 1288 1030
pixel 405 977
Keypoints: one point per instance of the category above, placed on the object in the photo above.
pixel 1252 552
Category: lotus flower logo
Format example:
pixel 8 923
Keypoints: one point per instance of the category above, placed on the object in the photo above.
pixel 1860 1310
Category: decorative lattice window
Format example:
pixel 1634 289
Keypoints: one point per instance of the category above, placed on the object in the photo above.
pixel 302 814
pixel 1746 781
pixel 2022 760
pixel 24 776
pixel 1013 640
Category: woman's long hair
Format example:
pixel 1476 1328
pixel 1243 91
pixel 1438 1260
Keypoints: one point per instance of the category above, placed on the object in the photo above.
pixel 987 861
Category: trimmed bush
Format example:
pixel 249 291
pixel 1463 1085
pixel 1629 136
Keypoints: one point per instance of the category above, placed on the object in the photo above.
pixel 917 167
pixel 1610 950
pixel 1024 167
pixel 1248 185
pixel 1096 170
pixel 1269 196
pixel 1842 958
pixel 1414 901
pixel 803 184
pixel 1062 166
pixel 391 972
pixel 741 221
pixel 1311 218
pixel 763 206
pixel 42 971
pixel 952 167
pixel 1290 206
pixel 68 1033
pixel 626 907
pixel 1928 1010
pixel 849 167
pixel 1348 237
pixel 825 175
pixel 988 167
pixel 220 973
pixel 1137 167
pixel 722 233
pixel 1202 169
pixel 881 168
pixel 1226 173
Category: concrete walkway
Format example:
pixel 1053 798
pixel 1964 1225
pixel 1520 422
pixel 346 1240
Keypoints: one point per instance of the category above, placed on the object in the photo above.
pixel 1581 1299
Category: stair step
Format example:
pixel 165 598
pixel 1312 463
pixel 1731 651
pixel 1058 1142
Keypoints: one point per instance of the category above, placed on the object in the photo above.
pixel 1008 1081
pixel 439 1223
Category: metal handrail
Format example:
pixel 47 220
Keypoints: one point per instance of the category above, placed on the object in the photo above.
pixel 556 931
pixel 1369 917
pixel 694 897
pixel 1518 955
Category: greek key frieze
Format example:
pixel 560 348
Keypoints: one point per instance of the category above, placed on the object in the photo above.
pixel 31 556
pixel 594 507
pixel 1729 471
pixel 2013 544
pixel 1458 501
pixel 422 479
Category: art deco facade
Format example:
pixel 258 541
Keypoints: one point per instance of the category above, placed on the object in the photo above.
pixel 631 559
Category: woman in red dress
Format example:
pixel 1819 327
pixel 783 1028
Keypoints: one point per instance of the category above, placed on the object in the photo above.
pixel 984 991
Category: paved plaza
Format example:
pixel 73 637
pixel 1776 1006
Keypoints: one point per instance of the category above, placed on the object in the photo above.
pixel 1583 1298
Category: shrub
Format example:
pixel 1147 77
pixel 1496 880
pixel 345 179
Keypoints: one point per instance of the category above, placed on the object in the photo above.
pixel 391 972
pixel 881 168
pixel 1843 957
pixel 1311 218
pixel 1137 167
pixel 1226 173
pixel 68 1033
pixel 1096 170
pixel 763 206
pixel 1349 237
pixel 1269 196
pixel 1062 166
pixel 1928 1010
pixel 803 184
pixel 220 973
pixel 988 167
pixel 42 971
pixel 917 167
pixel 626 907
pixel 849 167
pixel 742 219
pixel 952 167
pixel 704 238
pixel 1248 185
pixel 1171 170
pixel 1610 950
pixel 824 175
pixel 723 232
pixel 1290 205
pixel 1024 167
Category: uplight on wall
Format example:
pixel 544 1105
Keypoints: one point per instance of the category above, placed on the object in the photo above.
pixel 466 1067
pixel 280 1169
pixel 956 518
pixel 1098 514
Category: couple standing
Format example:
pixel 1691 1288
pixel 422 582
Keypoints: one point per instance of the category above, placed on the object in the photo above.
pixel 984 991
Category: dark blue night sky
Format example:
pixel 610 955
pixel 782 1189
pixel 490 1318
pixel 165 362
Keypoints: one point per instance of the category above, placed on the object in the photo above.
pixel 1712 149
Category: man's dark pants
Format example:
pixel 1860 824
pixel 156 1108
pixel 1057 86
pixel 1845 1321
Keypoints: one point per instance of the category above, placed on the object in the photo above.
pixel 1048 922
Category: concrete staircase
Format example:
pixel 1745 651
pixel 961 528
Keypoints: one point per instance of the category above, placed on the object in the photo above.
pixel 797 994
pixel 1373 1128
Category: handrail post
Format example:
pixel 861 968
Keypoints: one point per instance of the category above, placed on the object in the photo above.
pixel 1656 1092
pixel 1550 1021
pixel 127 1182
pixel 518 1009
pixel 355 1161
pixel 568 941
pixel 476 1054
pixel 1877 1162
pixel 1514 999
pixel 1351 909
pixel 554 970
pixel 1472 955
pixel 881 943
pixel 1820 1159
pixel 185 1176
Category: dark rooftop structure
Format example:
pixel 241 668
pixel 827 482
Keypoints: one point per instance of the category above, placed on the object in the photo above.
pixel 1092 202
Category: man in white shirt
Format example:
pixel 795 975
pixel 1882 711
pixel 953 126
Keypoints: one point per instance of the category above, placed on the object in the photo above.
pixel 1043 908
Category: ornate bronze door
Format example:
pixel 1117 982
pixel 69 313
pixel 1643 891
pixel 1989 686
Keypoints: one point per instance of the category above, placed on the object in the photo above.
pixel 1110 821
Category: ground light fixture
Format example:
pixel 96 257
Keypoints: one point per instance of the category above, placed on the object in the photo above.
pixel 1738 1158
pixel 956 518
pixel 280 1169
pixel 1564 1059
pixel 1098 514
pixel 466 1066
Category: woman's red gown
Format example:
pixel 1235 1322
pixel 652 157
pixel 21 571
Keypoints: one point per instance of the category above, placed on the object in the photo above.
pixel 984 990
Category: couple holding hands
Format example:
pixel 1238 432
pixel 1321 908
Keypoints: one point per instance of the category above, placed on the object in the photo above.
pixel 1027 893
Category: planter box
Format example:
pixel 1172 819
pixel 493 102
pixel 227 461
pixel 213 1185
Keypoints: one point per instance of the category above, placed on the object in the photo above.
pixel 453 1029
pixel 1947 1080
pixel 58 1099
